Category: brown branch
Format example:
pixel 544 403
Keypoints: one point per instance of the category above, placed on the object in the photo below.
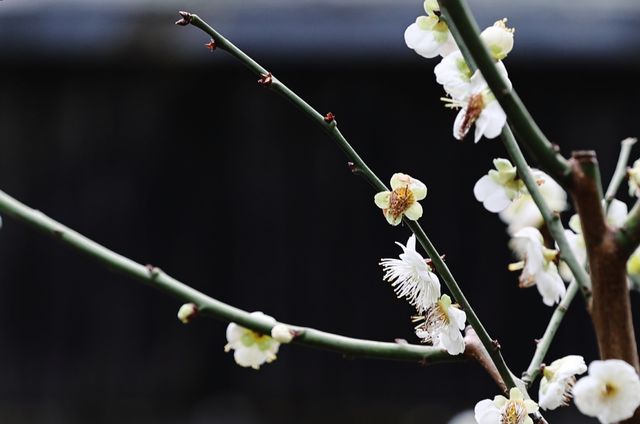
pixel 475 350
pixel 611 307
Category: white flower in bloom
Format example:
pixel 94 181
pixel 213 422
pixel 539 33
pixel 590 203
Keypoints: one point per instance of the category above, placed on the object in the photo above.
pixel 634 179
pixel 610 392
pixel 402 200
pixel 479 108
pixel 251 349
pixel 523 211
pixel 537 265
pixel 454 75
pixel 557 380
pixel 501 410
pixel 429 36
pixel 441 326
pixel 411 277
pixel 498 39
pixel 499 187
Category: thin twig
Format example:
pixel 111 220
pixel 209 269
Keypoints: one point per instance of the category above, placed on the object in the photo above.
pixel 621 169
pixel 331 128
pixel 532 372
pixel 209 306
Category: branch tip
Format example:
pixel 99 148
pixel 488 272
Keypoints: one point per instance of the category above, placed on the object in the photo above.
pixel 185 19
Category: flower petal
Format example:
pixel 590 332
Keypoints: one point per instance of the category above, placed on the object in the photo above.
pixel 414 212
pixel 382 199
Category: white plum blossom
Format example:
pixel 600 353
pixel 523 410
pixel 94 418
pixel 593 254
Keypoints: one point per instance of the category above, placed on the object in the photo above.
pixel 479 107
pixel 499 187
pixel 537 265
pixel 611 391
pixel 454 75
pixel 402 200
pixel 251 349
pixel 557 381
pixel 498 39
pixel 411 277
pixel 523 211
pixel 634 179
pixel 441 326
pixel 429 35
pixel 501 410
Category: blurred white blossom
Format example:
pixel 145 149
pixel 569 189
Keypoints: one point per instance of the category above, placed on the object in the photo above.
pixel 611 391
pixel 499 187
pixel 558 379
pixel 429 35
pixel 498 39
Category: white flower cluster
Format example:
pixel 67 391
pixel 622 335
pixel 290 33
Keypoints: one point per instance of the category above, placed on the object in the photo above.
pixel 412 278
pixel 611 392
pixel 429 36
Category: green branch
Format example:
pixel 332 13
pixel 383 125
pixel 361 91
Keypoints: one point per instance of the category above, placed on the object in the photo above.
pixel 330 127
pixel 532 372
pixel 208 306
pixel 621 169
pixel 528 132
pixel 551 218
pixel 628 236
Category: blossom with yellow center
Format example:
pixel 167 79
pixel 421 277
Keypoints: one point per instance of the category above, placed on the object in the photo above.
pixel 402 200
pixel 501 410
pixel 611 391
pixel 557 381
pixel 441 325
pixel 251 349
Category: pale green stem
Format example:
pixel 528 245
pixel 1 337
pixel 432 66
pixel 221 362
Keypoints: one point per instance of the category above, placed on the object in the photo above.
pixel 331 128
pixel 621 169
pixel 532 372
pixel 209 306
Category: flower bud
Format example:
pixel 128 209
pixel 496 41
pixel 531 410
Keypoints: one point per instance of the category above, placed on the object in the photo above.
pixel 498 39
pixel 431 6
pixel 187 313
pixel 281 333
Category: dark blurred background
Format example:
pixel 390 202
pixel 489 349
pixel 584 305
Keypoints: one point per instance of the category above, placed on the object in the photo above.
pixel 124 127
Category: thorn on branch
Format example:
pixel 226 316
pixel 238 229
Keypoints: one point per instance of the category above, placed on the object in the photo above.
pixel 430 262
pixel 537 341
pixel 211 45
pixel 266 79
pixel 185 18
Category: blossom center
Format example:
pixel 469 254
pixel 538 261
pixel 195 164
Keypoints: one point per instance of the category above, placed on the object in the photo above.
pixel 609 390
pixel 514 412
pixel 250 337
pixel 474 109
pixel 400 200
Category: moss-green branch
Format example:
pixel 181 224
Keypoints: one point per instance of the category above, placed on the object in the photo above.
pixel 621 169
pixel 331 128
pixel 208 306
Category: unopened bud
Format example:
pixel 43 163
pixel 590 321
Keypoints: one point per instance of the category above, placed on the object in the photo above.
pixel 499 39
pixel 187 313
pixel 281 333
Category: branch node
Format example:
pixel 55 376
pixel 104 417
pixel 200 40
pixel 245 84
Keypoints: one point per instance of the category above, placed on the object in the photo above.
pixel 211 45
pixel 58 233
pixel 185 19
pixel 329 118
pixel 496 344
pixel 154 271
pixel 266 79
